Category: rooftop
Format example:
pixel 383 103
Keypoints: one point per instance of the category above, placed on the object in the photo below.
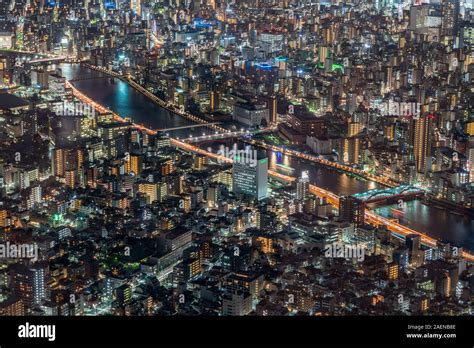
pixel 9 101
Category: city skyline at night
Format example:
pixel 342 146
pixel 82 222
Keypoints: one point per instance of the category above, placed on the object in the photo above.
pixel 236 158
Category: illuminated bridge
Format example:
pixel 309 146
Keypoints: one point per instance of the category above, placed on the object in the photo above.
pixel 186 127
pixel 226 135
pixel 30 58
pixel 216 136
pixel 48 60
pixel 392 194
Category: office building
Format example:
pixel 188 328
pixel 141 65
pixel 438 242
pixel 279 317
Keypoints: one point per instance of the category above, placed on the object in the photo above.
pixel 251 179
pixel 352 209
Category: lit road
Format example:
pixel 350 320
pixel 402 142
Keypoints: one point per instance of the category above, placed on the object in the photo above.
pixel 331 198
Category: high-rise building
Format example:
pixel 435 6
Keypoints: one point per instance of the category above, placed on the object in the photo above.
pixel 29 283
pixel 470 163
pixel 250 114
pixel 66 159
pixel 70 176
pixel 450 22
pixel 92 174
pixel 166 167
pixel 153 191
pixel 413 242
pixel 13 306
pixel 223 177
pixel 353 128
pixel 307 124
pixel 419 16
pixel 238 303
pixel 272 109
pixel 134 164
pixel 135 6
pixel 123 294
pixel 150 190
pixel 244 281
pixel 213 101
pixel 212 196
pixel 33 197
pixel 392 270
pixel 422 143
pixel 351 150
pixel 175 184
pixel 352 209
pixel 302 186
pixel 199 162
pixel 271 41
pixel 249 178
pixel 402 257
pixel 467 39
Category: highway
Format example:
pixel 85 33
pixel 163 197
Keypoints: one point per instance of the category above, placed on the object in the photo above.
pixel 371 217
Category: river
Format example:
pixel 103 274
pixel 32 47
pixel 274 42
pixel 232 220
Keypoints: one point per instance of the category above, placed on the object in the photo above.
pixel 118 96
pixel 125 101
